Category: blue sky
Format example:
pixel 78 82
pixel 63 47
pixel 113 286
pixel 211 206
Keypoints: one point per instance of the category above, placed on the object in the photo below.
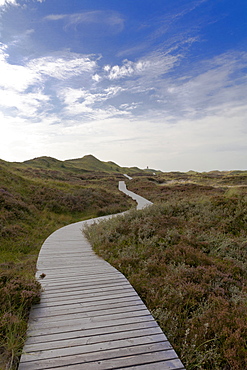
pixel 138 82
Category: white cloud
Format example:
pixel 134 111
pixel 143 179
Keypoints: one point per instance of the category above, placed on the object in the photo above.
pixel 13 2
pixel 8 2
pixel 55 17
pixel 127 69
pixel 16 77
pixel 83 102
pixel 155 64
pixel 148 92
pixel 135 109
pixel 107 68
pixel 62 68
pixel 203 144
pixel 129 107
pixel 20 77
pixel 141 88
pixel 112 91
pixel 24 87
pixel 200 144
pixel 96 77
pixel 26 104
pixel 77 101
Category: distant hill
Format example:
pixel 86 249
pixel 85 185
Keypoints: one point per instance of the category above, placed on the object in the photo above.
pixel 88 163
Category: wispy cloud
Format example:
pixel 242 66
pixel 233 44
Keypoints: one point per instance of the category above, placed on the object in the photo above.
pixel 13 2
pixel 152 86
pixel 20 77
pixel 25 88
pixel 56 17
pixel 162 88
pixel 169 31
pixel 62 67
pixel 27 105
pixel 109 18
pixel 167 24
pixel 215 83
pixel 83 102
pixel 154 64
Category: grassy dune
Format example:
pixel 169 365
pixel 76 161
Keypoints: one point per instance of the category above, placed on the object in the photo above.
pixel 186 256
pixel 36 198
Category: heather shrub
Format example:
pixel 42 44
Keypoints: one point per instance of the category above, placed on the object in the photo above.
pixel 187 260
pixel 17 295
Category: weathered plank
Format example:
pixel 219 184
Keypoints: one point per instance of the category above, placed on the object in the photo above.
pixel 89 316
pixel 92 332
pixel 97 337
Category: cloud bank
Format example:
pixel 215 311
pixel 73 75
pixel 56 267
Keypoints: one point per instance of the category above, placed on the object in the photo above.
pixel 151 103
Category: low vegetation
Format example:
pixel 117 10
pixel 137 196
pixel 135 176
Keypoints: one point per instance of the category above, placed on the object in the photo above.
pixel 36 198
pixel 186 256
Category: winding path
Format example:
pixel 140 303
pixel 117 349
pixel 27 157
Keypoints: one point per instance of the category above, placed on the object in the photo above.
pixel 89 316
pixel 141 202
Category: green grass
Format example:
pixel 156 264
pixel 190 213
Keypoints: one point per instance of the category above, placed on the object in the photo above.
pixel 80 165
pixel 187 258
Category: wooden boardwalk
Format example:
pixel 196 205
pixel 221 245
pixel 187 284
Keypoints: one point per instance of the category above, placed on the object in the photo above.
pixel 89 316
pixel 141 202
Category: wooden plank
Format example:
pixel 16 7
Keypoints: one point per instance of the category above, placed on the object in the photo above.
pixel 151 363
pixel 72 282
pixel 70 289
pixel 86 348
pixel 96 338
pixel 132 355
pixel 74 274
pixel 157 365
pixel 86 294
pixel 91 332
pixel 77 287
pixel 80 313
pixel 41 312
pixel 74 320
pixel 80 324
pixel 88 300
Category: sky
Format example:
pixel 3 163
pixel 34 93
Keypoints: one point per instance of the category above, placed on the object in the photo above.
pixel 157 83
